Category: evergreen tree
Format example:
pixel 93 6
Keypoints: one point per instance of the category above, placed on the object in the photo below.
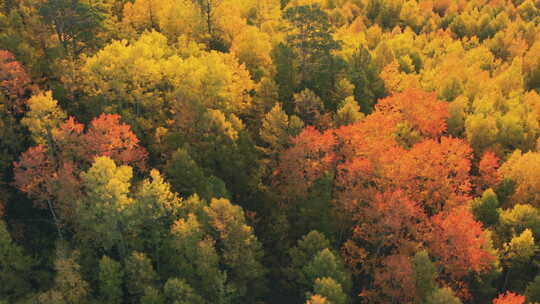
pixel 310 36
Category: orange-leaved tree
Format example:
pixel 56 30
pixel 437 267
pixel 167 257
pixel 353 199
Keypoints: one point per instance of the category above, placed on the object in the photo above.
pixel 15 83
pixel 460 246
pixel 49 173
pixel 509 298
pixel 311 155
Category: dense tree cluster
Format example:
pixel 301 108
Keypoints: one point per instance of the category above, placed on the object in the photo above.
pixel 269 151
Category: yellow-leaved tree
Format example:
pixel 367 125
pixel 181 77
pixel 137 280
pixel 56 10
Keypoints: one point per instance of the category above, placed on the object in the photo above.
pixel 149 81
pixel 43 116
pixel 524 171
pixel 101 210
pixel 172 18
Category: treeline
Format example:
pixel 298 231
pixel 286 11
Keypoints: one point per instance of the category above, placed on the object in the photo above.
pixel 266 151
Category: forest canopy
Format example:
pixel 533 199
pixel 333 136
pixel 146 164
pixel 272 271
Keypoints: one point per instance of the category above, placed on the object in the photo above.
pixel 269 151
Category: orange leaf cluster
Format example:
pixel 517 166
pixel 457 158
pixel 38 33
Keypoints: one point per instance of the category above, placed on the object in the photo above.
pixel 15 83
pixel 509 298
pixel 422 110
pixel 460 243
pixel 48 172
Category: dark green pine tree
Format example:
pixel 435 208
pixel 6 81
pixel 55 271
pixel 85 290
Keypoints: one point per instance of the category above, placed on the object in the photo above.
pixel 283 58
pixel 364 75
pixel 310 36
pixel 75 23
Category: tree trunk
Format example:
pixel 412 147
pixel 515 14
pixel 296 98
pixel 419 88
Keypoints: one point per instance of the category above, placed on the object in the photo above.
pixel 209 17
pixel 56 221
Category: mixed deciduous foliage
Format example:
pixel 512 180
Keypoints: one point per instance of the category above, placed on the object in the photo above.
pixel 269 151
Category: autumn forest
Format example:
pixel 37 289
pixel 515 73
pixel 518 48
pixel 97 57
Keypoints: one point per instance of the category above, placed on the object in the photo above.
pixel 269 151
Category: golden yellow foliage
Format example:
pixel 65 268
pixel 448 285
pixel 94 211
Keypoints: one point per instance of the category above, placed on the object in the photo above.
pixel 43 116
pixel 521 248
pixel 524 170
